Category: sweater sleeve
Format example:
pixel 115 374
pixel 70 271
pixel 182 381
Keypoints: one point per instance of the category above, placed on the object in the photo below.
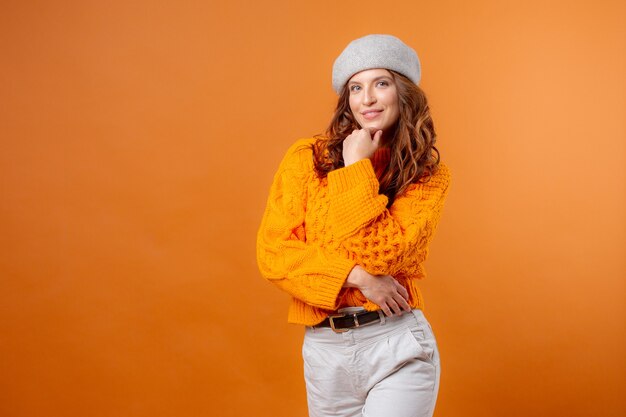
pixel 390 241
pixel 305 271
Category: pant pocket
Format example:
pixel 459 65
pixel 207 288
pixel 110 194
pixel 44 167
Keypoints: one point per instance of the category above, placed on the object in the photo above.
pixel 424 345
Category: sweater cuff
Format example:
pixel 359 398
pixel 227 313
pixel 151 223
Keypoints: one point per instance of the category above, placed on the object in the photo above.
pixel 330 286
pixel 346 178
pixel 354 198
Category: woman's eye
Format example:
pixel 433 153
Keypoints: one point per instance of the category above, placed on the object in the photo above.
pixel 383 83
pixel 355 88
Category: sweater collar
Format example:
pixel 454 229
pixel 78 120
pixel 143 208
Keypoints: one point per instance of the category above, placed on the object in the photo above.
pixel 380 160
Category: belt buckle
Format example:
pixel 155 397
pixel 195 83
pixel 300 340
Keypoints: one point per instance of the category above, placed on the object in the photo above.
pixel 335 316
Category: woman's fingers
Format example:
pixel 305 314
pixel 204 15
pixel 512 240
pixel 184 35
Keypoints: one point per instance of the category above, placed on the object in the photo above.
pixel 385 308
pixel 360 145
pixel 383 290
pixel 396 308
pixel 397 300
pixel 404 296
pixel 392 307
pixel 403 303
pixel 403 292
pixel 376 138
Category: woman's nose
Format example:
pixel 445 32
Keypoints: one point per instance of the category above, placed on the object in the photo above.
pixel 369 99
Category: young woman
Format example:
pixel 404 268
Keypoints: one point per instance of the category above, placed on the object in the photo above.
pixel 346 229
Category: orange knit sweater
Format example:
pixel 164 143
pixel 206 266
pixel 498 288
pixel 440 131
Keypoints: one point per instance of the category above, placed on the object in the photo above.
pixel 314 231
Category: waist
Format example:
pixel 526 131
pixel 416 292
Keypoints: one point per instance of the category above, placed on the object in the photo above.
pixel 363 334
pixel 308 315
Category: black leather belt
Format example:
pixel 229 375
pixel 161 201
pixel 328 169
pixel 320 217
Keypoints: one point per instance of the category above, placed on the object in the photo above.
pixel 343 322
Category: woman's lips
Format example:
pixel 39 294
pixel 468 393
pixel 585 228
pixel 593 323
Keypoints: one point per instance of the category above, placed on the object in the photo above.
pixel 371 114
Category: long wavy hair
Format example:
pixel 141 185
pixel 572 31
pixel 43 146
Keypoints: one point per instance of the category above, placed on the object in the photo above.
pixel 414 157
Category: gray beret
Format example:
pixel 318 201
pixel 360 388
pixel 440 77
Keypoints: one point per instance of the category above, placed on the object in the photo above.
pixel 375 51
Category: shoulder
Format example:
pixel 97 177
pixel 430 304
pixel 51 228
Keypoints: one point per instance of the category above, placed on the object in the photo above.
pixel 303 145
pixel 442 175
pixel 299 155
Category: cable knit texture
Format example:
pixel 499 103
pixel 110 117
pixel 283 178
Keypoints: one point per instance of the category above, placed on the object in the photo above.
pixel 314 231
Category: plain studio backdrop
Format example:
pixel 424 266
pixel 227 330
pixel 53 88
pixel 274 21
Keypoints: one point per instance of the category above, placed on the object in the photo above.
pixel 138 143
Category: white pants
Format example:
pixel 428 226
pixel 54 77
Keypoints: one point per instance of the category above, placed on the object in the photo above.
pixel 388 369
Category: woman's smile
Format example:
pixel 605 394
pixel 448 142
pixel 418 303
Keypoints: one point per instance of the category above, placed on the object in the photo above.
pixel 371 114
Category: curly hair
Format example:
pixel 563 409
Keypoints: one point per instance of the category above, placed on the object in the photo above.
pixel 414 157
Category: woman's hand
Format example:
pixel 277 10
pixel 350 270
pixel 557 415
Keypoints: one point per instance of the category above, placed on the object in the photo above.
pixel 383 290
pixel 360 145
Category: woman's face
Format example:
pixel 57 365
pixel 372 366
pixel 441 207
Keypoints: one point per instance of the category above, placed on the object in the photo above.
pixel 374 100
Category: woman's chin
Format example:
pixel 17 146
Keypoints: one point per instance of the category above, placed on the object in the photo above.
pixel 372 128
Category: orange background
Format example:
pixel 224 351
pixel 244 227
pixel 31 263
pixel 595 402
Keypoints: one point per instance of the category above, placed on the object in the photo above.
pixel 138 143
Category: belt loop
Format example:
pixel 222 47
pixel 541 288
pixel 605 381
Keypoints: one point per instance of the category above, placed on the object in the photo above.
pixel 382 317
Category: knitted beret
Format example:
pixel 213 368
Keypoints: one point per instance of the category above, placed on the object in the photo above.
pixel 375 51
